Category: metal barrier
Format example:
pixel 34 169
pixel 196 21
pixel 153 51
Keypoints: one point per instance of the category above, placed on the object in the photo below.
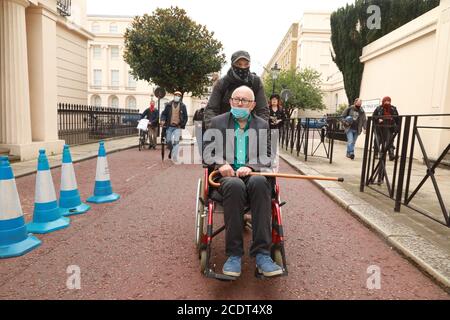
pixel 397 139
pixel 306 136
pixel 78 124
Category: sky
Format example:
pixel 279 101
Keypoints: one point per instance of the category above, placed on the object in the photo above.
pixel 257 26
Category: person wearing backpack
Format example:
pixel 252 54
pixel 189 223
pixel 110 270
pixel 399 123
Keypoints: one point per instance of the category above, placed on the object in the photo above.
pixel 355 122
pixel 238 75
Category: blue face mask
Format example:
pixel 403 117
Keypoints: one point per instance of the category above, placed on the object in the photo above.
pixel 240 113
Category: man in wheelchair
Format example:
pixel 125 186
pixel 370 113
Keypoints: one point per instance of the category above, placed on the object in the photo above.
pixel 234 145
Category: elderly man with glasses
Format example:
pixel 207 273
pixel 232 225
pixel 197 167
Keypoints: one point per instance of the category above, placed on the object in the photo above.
pixel 236 155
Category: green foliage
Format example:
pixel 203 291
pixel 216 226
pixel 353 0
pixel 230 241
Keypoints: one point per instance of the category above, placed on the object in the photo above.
pixel 172 51
pixel 341 108
pixel 349 33
pixel 305 87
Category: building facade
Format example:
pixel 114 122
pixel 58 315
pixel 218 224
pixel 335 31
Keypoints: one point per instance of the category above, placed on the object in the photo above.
pixel 311 38
pixel 43 62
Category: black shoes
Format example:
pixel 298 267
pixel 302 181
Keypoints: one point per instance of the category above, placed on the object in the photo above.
pixel 351 156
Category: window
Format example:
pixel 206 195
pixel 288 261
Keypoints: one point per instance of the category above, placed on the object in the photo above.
pixel 113 28
pixel 97 77
pixel 114 78
pixel 96 101
pixel 131 103
pixel 95 27
pixel 114 53
pixel 97 52
pixel 131 81
pixel 114 102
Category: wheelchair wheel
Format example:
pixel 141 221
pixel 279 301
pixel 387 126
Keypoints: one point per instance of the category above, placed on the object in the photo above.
pixel 199 214
pixel 202 261
pixel 277 257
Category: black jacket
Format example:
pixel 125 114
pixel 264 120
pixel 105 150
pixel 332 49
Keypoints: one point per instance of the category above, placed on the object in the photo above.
pixel 216 154
pixel 277 115
pixel 166 115
pixel 379 113
pixel 219 102
pixel 151 116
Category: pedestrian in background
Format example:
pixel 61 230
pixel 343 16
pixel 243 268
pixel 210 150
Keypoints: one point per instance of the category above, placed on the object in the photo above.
pixel 151 114
pixel 355 121
pixel 387 123
pixel 174 119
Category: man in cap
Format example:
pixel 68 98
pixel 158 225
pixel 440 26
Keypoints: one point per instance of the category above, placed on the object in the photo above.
pixel 174 119
pixel 238 75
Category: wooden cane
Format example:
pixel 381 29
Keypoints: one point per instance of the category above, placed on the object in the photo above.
pixel 275 175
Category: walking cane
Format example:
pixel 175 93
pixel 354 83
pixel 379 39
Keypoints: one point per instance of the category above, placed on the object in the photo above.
pixel 276 175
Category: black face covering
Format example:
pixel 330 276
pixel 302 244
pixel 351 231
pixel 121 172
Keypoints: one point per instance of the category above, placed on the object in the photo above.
pixel 241 72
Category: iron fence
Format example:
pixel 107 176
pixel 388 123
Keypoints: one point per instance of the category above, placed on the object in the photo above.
pixel 397 138
pixel 79 124
pixel 307 136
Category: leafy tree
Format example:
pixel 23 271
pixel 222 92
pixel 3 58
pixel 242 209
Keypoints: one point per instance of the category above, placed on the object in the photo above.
pixel 349 33
pixel 172 51
pixel 305 87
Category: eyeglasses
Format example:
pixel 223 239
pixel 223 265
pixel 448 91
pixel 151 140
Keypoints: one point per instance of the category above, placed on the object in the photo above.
pixel 244 101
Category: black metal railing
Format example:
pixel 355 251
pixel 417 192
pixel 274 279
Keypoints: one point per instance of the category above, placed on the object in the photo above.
pixel 64 7
pixel 395 140
pixel 79 124
pixel 307 136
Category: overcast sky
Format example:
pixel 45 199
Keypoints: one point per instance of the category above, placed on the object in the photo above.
pixel 257 26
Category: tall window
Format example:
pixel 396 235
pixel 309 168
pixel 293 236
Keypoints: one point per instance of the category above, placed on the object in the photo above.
pixel 114 78
pixel 113 28
pixel 114 53
pixel 131 80
pixel 114 102
pixel 131 103
pixel 97 52
pixel 95 27
pixel 96 101
pixel 97 77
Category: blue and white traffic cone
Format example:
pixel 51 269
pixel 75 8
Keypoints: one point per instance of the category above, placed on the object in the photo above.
pixel 69 197
pixel 103 190
pixel 47 215
pixel 14 238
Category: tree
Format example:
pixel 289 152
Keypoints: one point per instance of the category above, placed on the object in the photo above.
pixel 172 51
pixel 305 88
pixel 350 34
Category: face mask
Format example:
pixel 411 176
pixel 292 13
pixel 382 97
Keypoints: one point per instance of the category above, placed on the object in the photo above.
pixel 240 113
pixel 177 99
pixel 242 72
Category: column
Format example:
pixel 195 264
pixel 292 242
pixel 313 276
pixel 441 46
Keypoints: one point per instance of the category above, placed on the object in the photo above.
pixel 15 124
pixel 41 32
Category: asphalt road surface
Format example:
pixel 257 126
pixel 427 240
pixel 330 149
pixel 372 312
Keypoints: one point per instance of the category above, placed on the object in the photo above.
pixel 142 246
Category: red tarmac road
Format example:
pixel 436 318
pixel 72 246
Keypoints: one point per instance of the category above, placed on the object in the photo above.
pixel 142 247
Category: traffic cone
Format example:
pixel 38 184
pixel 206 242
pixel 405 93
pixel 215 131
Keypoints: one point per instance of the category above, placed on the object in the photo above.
pixel 14 238
pixel 69 197
pixel 103 190
pixel 47 215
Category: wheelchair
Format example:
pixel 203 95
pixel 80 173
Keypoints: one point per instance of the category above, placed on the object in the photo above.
pixel 209 203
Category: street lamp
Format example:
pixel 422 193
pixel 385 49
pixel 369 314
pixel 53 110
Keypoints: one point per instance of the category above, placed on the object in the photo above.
pixel 275 73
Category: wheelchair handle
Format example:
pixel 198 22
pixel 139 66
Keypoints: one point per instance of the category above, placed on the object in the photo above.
pixel 275 175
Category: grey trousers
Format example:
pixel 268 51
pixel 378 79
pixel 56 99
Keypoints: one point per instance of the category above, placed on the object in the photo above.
pixel 236 193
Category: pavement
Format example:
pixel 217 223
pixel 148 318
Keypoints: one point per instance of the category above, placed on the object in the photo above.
pixel 142 246
pixel 424 241
pixel 421 240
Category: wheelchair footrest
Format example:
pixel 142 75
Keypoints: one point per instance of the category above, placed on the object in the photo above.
pixel 219 276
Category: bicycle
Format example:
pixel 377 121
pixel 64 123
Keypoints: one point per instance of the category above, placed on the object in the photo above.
pixel 143 136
